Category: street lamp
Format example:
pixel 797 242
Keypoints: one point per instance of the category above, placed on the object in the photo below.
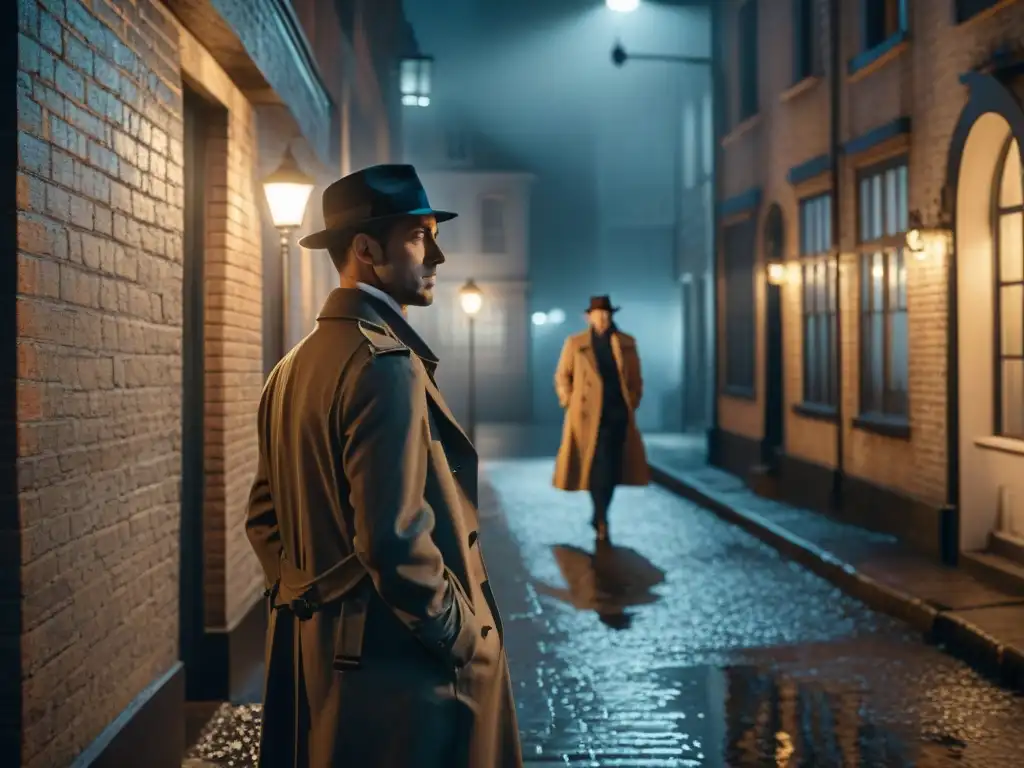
pixel 415 81
pixel 622 6
pixel 471 299
pixel 287 190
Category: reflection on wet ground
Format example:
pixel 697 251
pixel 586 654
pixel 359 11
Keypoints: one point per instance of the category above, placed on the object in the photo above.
pixel 689 643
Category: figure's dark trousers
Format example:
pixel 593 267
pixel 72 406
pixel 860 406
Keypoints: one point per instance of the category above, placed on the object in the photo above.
pixel 606 470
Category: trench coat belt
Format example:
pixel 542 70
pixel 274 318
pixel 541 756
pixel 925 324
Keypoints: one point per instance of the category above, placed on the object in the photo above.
pixel 303 595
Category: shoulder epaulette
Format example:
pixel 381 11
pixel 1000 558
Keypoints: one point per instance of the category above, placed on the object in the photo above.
pixel 381 342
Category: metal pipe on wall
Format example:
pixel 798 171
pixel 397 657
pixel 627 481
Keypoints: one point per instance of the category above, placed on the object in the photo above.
pixel 835 150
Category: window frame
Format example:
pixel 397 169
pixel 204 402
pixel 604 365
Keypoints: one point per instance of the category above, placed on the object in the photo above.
pixel 502 202
pixel 806 40
pixel 812 259
pixel 748 52
pixel 745 350
pixel 998 212
pixel 877 411
pixel 867 41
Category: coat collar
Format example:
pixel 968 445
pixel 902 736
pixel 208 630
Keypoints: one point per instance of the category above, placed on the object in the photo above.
pixel 353 304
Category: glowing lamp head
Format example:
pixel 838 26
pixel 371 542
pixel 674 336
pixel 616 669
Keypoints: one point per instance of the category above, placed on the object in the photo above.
pixel 287 190
pixel 776 273
pixel 622 6
pixel 471 298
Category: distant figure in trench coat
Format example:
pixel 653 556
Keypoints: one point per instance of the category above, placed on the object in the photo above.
pixel 599 385
pixel 385 647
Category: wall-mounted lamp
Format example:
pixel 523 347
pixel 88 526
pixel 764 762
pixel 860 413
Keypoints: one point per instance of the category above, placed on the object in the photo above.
pixel 928 242
pixel 415 80
pixel 776 272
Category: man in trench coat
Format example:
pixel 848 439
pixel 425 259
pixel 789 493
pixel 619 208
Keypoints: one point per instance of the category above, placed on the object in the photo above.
pixel 599 385
pixel 385 647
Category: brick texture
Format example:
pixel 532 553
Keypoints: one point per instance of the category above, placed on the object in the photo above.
pixel 100 250
pixel 921 82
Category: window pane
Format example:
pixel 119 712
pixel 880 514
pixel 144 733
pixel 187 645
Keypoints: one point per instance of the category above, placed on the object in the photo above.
pixel 865 209
pixel 808 283
pixel 826 223
pixel 876 361
pixel 1011 247
pixel 901 199
pixel 900 296
pixel 831 277
pixel 821 286
pixel 1010 187
pixel 898 355
pixel 1013 398
pixel 878 280
pixel 875 231
pixel 1011 327
pixel 890 202
pixel 809 366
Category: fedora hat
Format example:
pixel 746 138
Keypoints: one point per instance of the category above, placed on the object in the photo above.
pixel 373 195
pixel 601 302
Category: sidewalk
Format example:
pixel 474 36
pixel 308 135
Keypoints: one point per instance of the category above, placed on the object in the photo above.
pixel 976 622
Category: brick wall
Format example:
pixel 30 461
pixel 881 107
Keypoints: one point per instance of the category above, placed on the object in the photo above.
pixel 921 82
pixel 99 360
pixel 234 342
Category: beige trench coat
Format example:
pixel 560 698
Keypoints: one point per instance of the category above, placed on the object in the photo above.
pixel 359 455
pixel 579 387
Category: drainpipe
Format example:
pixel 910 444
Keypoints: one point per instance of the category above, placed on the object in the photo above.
pixel 835 94
pixel 718 121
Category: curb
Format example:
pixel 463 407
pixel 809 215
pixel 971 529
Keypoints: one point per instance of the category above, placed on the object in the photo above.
pixel 953 634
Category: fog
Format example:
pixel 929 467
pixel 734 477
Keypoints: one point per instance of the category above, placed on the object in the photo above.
pixel 534 79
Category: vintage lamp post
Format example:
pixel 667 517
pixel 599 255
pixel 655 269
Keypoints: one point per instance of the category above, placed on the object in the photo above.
pixel 471 299
pixel 287 190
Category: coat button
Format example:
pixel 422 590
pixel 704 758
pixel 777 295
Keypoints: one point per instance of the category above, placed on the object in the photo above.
pixel 485 630
pixel 473 536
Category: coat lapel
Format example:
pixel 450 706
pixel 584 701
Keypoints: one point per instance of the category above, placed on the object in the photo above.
pixel 586 348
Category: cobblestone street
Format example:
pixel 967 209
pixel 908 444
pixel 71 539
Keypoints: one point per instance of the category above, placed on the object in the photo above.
pixel 690 643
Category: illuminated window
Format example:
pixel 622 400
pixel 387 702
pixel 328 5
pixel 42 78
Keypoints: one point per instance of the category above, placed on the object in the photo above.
pixel 883 290
pixel 818 268
pixel 1009 303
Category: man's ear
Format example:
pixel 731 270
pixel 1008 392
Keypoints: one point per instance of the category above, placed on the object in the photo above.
pixel 367 250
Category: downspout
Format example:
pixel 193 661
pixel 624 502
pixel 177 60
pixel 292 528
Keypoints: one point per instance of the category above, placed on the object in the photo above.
pixel 717 112
pixel 835 95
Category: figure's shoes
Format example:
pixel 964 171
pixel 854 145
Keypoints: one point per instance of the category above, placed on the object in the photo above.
pixel 602 531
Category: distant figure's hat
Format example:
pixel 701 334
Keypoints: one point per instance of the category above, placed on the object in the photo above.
pixel 373 195
pixel 601 302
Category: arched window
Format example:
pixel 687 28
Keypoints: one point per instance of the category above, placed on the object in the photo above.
pixel 1009 331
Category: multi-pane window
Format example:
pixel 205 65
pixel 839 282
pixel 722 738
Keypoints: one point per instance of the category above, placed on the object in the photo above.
pixel 1009 395
pixel 740 329
pixel 818 266
pixel 881 19
pixel 806 40
pixel 747 39
pixel 492 225
pixel 883 290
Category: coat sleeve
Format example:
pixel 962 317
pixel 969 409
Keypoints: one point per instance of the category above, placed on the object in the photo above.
pixel 385 447
pixel 564 374
pixel 261 526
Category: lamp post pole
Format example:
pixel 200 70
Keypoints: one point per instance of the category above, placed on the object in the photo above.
pixel 471 299
pixel 286 234
pixel 471 404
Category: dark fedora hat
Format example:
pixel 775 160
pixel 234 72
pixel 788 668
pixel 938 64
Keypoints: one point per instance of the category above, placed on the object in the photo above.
pixel 601 302
pixel 373 195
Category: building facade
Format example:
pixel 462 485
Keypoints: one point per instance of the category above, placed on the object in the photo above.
pixel 869 303
pixel 137 309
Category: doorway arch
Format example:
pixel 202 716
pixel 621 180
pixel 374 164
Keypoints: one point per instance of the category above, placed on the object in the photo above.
pixel 986 468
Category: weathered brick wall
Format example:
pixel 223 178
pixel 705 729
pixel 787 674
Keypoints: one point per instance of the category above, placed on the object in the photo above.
pixel 99 334
pixel 234 343
pixel 99 329
pixel 923 83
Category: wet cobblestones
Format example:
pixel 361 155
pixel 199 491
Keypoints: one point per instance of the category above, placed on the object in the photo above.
pixel 689 643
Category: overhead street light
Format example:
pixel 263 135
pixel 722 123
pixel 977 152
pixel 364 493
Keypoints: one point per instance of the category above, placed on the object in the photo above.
pixel 414 82
pixel 622 6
